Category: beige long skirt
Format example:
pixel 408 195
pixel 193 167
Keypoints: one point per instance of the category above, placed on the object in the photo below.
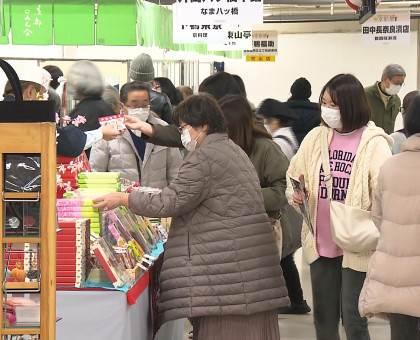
pixel 259 326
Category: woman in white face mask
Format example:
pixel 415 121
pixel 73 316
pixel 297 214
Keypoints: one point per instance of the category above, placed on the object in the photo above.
pixel 221 265
pixel 356 150
pixel 151 165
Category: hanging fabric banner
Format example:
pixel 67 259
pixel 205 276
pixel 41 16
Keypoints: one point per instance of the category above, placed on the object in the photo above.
pixel 31 22
pixel 116 23
pixel 1 19
pixel 4 40
pixel 74 22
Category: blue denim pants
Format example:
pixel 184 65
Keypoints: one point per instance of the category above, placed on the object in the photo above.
pixel 335 292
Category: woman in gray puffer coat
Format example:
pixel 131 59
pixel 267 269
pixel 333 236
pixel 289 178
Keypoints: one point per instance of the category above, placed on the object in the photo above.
pixel 221 265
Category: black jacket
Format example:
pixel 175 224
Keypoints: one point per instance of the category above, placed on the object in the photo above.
pixel 160 104
pixel 91 108
pixel 307 117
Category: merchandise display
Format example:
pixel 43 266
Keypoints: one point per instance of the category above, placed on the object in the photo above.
pixel 73 252
pixel 22 173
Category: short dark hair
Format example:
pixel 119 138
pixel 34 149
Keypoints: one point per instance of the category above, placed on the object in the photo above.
pixel 219 84
pixel 133 86
pixel 200 110
pixel 55 73
pixel 348 94
pixel 240 122
pixel 240 83
pixel 412 117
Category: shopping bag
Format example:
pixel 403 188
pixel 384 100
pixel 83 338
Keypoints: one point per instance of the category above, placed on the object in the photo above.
pixel 20 111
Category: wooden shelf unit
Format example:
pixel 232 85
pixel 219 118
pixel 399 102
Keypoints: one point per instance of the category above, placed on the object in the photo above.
pixel 40 139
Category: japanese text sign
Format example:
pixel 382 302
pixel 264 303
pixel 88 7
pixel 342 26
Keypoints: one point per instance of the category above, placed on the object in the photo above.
pixel 239 37
pixel 264 43
pixel 218 11
pixel 31 23
pixel 387 29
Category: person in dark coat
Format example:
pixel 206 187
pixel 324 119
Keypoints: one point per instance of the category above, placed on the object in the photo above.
pixel 307 114
pixel 142 69
pixel 85 83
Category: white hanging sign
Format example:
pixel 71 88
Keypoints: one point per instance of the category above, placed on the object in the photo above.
pixel 239 37
pixel 218 11
pixel 387 29
pixel 264 43
pixel 198 34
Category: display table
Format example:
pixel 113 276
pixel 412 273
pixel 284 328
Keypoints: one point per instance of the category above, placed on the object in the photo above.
pixel 100 313
pixel 105 314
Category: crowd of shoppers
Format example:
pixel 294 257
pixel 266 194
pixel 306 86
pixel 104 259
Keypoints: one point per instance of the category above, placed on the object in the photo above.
pixel 224 267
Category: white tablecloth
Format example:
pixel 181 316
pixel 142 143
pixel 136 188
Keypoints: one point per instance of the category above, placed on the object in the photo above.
pixel 88 314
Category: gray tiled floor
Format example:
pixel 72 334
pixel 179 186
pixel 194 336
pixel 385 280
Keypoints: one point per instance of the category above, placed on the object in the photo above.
pixel 300 327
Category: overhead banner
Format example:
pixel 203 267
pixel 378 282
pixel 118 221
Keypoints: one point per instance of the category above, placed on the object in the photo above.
pixel 31 23
pixel 387 29
pixel 239 37
pixel 218 12
pixel 264 43
pixel 74 23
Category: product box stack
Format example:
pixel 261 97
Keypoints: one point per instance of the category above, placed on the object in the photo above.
pixel 80 208
pixel 73 251
pixel 98 182
pixel 67 171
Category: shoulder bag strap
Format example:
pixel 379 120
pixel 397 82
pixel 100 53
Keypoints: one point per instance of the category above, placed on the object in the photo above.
pixel 288 140
pixel 13 79
pixel 325 159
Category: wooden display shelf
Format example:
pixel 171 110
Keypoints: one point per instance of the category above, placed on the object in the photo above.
pixel 40 139
pixel 22 195
pixel 21 285
pixel 21 239
pixel 18 330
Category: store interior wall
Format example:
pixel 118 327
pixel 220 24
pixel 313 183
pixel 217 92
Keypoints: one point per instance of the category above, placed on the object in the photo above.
pixel 317 51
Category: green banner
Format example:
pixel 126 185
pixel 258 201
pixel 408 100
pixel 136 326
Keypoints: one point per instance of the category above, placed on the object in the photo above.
pixel 74 22
pixel 146 22
pixel 4 40
pixel 31 22
pixel 116 23
pixel 1 19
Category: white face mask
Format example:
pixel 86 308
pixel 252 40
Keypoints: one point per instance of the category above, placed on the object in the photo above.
pixel 186 140
pixel 141 113
pixel 393 89
pixel 331 117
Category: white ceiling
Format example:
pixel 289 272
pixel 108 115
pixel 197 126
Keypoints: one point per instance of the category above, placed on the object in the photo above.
pixel 281 11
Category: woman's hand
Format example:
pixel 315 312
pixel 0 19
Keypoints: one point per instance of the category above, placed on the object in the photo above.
pixel 110 132
pixel 298 197
pixel 134 123
pixel 111 201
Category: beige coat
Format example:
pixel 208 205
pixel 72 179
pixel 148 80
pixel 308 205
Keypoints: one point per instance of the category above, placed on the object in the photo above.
pixel 221 256
pixel 392 283
pixel 374 148
pixel 157 169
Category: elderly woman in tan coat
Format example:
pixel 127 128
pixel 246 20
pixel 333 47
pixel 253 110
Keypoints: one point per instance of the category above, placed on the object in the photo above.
pixel 392 285
pixel 221 264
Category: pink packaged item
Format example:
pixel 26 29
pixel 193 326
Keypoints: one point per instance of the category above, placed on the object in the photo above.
pixel 115 119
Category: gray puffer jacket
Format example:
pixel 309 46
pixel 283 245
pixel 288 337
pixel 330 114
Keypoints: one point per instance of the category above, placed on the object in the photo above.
pixel 158 168
pixel 221 256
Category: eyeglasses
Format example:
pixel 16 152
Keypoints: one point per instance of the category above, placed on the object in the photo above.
pixel 181 128
pixel 136 107
pixel 402 109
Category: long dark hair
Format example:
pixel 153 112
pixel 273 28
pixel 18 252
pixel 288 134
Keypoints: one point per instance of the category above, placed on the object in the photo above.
pixel 348 94
pixel 168 88
pixel 240 122
pixel 412 117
